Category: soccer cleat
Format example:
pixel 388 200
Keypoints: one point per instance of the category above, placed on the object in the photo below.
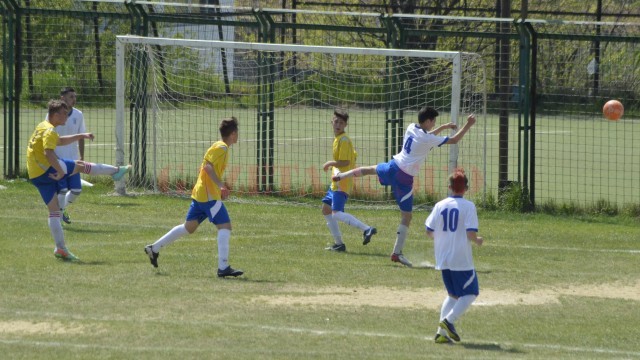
pixel 443 339
pixel 65 216
pixel 64 254
pixel 336 247
pixel 448 327
pixel 229 271
pixel 120 173
pixel 153 256
pixel 368 234
pixel 401 259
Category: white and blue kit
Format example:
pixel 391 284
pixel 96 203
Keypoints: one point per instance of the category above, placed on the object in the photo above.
pixel 400 170
pixel 450 220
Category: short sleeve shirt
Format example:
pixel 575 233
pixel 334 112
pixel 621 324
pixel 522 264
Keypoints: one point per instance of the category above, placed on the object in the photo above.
pixel 205 189
pixel 44 137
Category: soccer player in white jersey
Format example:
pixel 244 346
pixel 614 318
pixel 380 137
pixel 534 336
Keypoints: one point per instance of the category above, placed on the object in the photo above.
pixel 46 169
pixel 206 201
pixel 453 224
pixel 419 139
pixel 71 186
pixel 344 159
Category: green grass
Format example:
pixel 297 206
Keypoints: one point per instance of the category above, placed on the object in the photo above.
pixel 551 287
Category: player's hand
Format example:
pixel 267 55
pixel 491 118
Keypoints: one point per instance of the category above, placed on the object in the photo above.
pixel 471 119
pixel 327 165
pixel 56 175
pixel 451 126
pixel 479 240
pixel 89 136
pixel 224 193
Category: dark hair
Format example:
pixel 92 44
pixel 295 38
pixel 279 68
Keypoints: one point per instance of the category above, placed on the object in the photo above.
pixel 458 181
pixel 66 90
pixel 228 126
pixel 427 113
pixel 55 105
pixel 342 114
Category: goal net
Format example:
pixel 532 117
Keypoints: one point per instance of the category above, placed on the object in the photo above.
pixel 173 93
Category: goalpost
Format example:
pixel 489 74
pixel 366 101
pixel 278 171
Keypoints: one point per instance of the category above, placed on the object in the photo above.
pixel 172 93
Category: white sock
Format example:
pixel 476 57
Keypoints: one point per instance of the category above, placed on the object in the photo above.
pixel 62 200
pixel 173 235
pixel 99 169
pixel 400 239
pixel 460 307
pixel 223 248
pixel 72 196
pixel 447 305
pixel 56 229
pixel 350 220
pixel 332 224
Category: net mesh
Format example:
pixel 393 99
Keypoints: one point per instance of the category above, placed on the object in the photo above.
pixel 177 95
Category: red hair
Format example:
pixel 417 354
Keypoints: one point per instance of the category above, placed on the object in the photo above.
pixel 458 181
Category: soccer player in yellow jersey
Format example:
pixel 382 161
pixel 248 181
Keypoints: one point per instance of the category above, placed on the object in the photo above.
pixel 207 196
pixel 344 159
pixel 46 169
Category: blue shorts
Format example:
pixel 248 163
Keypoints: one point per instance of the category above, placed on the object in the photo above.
pixel 48 187
pixel 335 199
pixel 401 184
pixel 212 210
pixel 71 182
pixel 461 283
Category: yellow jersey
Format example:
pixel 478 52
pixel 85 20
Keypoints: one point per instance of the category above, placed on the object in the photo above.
pixel 44 137
pixel 205 189
pixel 343 150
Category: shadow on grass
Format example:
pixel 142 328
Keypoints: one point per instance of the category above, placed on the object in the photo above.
pixel 85 230
pixel 84 263
pixel 490 347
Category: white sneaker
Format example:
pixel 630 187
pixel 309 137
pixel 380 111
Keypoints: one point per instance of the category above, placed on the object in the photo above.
pixel 401 259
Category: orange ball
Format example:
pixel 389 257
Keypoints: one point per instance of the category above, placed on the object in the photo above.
pixel 613 110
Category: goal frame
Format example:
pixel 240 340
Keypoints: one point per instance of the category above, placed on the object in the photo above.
pixel 455 57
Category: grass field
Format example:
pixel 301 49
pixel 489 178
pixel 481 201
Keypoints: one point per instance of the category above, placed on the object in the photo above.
pixel 550 287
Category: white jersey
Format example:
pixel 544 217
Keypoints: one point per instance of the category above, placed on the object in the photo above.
pixel 74 125
pixel 415 147
pixel 450 220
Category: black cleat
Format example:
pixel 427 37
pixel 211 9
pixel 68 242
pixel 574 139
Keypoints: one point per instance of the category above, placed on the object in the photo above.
pixel 153 256
pixel 336 247
pixel 448 327
pixel 229 271
pixel 368 234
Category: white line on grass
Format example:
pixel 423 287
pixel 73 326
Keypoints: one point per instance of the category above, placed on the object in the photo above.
pixel 329 333
pixel 530 247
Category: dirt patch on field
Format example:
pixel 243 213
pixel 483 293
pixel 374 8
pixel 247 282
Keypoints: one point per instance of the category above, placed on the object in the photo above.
pixel 32 328
pixel 432 298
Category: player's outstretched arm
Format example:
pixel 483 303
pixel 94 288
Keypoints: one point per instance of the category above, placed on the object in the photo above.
pixel 68 139
pixel 471 120
pixel 442 127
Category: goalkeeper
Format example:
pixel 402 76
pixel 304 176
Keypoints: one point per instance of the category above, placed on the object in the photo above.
pixel 418 141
